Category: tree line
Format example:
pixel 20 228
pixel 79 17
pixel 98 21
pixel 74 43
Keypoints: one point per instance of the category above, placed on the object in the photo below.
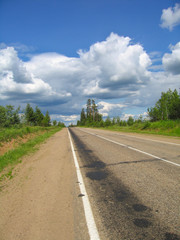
pixel 91 115
pixel 9 116
pixel 166 108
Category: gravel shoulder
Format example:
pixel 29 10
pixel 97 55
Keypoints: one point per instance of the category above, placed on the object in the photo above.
pixel 41 201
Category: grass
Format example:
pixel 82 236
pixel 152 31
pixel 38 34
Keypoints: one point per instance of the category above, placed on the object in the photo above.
pixel 167 128
pixel 13 156
pixel 6 134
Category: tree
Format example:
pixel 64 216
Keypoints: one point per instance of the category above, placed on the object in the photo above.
pixel 89 110
pixel 108 121
pixel 91 117
pixel 130 121
pixel 54 123
pixel 83 117
pixel 61 124
pixel 46 120
pixel 174 106
pixel 9 116
pixel 30 115
pixel 94 111
pixel 167 107
pixel 38 117
pixel 118 120
pixel 3 116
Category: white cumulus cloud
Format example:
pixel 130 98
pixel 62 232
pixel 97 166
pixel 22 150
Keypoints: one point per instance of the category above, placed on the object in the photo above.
pixel 115 68
pixel 171 61
pixel 105 108
pixel 170 17
pixel 18 83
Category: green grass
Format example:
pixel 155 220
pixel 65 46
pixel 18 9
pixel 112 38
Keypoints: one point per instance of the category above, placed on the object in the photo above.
pixel 168 128
pixel 13 156
pixel 6 134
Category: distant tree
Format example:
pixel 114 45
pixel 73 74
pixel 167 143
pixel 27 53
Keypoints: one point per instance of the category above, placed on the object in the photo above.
pixel 54 123
pixel 167 107
pixel 61 124
pixel 108 121
pixel 89 111
pixel 30 115
pixel 113 121
pixel 130 121
pixel 91 117
pixel 3 117
pixel 118 120
pixel 174 105
pixel 9 116
pixel 83 117
pixel 38 116
pixel 46 120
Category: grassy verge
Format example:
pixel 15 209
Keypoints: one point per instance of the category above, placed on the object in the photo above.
pixel 13 156
pixel 167 128
pixel 6 134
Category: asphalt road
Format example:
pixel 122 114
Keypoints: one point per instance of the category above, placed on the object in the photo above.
pixel 133 183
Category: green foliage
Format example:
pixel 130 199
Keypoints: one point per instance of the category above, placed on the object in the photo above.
pixel 54 123
pixel 130 121
pixel 91 117
pixel 9 116
pixel 61 124
pixel 6 134
pixel 46 120
pixel 30 115
pixel 38 117
pixel 167 107
pixel 108 122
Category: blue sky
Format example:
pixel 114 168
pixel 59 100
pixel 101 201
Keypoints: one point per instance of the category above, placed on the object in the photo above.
pixel 56 54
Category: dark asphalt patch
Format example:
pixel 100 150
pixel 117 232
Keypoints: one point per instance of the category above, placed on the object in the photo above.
pixel 97 175
pixel 139 207
pixel 95 164
pixel 142 223
pixel 171 236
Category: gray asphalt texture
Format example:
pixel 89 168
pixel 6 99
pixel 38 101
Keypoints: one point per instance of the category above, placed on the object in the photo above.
pixel 133 196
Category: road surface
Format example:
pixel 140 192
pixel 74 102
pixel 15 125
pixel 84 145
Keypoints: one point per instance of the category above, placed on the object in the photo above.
pixel 133 183
pixel 131 180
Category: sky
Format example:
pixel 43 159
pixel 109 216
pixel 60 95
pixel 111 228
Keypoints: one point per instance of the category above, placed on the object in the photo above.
pixel 56 54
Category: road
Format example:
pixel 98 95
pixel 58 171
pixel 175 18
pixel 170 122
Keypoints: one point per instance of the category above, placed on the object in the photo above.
pixel 132 181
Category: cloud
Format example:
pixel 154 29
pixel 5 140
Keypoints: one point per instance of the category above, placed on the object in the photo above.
pixel 106 108
pixel 170 17
pixel 64 118
pixel 115 69
pixel 115 65
pixel 17 83
pixel 171 61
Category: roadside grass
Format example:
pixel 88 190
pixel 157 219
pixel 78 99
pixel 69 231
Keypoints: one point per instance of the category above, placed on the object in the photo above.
pixel 6 134
pixel 12 157
pixel 167 128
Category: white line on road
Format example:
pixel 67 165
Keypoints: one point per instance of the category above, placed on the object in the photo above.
pixel 148 139
pixel 93 232
pixel 134 149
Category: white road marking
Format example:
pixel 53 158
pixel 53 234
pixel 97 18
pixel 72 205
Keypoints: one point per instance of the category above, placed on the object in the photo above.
pixel 93 232
pixel 148 139
pixel 132 148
